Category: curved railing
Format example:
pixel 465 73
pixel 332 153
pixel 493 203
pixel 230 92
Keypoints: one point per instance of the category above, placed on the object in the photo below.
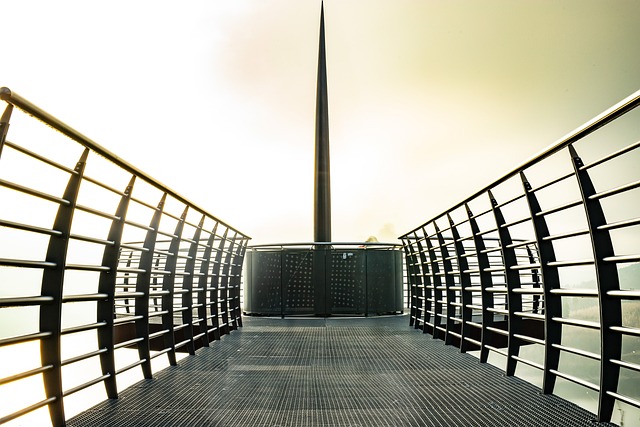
pixel 80 303
pixel 568 220
pixel 324 279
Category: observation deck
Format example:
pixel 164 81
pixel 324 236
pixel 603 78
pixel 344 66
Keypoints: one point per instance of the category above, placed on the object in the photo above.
pixel 109 272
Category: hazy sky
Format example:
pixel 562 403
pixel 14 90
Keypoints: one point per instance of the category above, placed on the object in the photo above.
pixel 428 100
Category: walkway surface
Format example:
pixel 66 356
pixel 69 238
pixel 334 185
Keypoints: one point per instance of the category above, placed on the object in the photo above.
pixel 332 372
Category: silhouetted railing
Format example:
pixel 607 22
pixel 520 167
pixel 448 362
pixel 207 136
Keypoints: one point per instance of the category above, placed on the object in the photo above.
pixel 568 221
pixel 75 293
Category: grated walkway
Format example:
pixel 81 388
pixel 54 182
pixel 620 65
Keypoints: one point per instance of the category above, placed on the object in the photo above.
pixel 332 372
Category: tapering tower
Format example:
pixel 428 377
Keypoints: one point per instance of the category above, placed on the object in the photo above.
pixel 322 178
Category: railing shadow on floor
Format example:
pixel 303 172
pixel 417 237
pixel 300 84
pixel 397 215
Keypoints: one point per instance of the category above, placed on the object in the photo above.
pixel 75 293
pixel 569 218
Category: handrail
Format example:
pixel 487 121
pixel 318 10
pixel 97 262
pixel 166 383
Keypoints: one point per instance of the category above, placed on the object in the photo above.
pixel 465 296
pixel 16 100
pixel 619 109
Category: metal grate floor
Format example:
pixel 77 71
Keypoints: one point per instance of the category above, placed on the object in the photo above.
pixel 332 372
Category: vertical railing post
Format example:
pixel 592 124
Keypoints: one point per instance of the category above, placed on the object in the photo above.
pixel 234 281
pixel 168 289
pixel 215 289
pixel 550 281
pixel 224 285
pixel 187 287
pixel 486 281
pixel 4 125
pixel 107 285
pixel 449 282
pixel 465 284
pixel 53 286
pixel 512 279
pixel 414 282
pixel 438 312
pixel 607 280
pixel 427 289
pixel 143 285
pixel 203 283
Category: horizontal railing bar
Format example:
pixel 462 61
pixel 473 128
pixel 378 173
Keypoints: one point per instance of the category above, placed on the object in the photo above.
pixel 25 301
pixel 577 351
pixel 97 212
pixel 619 224
pixel 622 258
pixel 85 297
pixel 572 263
pixel 24 338
pixel 611 156
pixel 513 199
pixel 92 240
pixel 134 247
pixel 82 328
pixel 39 157
pixel 131 366
pixel 137 225
pixel 624 399
pixel 617 190
pixel 516 222
pixel 497 330
pixel 575 292
pixel 82 267
pixel 528 362
pixel 84 356
pixel 528 315
pixel 497 350
pixel 550 183
pixel 25 374
pixel 26 410
pixel 85 385
pixel 528 291
pixel 131 270
pixel 32 192
pixel 625 294
pixel 159 334
pixel 529 339
pixel 627 365
pixel 534 266
pixel 26 263
pixel 103 185
pixel 625 330
pixel 127 343
pixel 576 380
pixel 566 235
pixel 577 322
pixel 27 227
pixel 566 206
pixel 520 244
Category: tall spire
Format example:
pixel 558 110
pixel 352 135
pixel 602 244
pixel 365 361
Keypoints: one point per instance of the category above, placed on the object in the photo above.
pixel 322 181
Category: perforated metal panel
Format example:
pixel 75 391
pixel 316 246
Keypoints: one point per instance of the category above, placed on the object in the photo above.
pixel 344 281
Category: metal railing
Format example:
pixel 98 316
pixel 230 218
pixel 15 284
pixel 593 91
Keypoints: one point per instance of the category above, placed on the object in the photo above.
pixel 576 220
pixel 74 292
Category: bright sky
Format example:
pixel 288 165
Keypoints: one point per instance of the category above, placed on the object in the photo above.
pixel 428 100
